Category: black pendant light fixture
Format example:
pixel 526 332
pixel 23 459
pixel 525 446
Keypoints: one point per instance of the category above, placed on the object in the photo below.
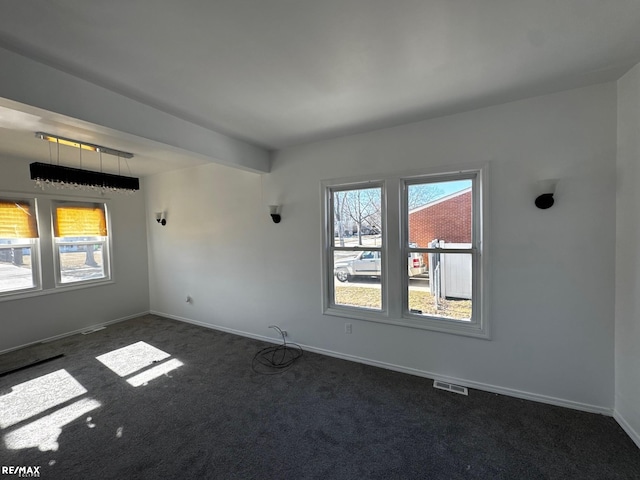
pixel 58 176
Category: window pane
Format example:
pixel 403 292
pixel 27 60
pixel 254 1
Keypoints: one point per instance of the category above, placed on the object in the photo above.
pixel 81 262
pixel 357 217
pixel 16 271
pixel 440 211
pixel 448 291
pixel 357 279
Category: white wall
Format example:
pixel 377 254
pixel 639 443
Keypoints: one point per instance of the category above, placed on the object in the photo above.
pixel 552 278
pixel 211 248
pixel 627 340
pixel 35 318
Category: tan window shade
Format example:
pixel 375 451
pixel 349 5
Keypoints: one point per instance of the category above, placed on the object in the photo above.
pixel 17 220
pixel 80 221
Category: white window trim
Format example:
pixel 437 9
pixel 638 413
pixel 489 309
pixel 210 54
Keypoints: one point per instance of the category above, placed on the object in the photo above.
pixel 36 268
pixel 328 238
pixel 394 280
pixel 34 245
pixel 22 294
pixel 105 241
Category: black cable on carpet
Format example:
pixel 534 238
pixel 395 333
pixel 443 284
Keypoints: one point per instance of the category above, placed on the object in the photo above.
pixel 276 358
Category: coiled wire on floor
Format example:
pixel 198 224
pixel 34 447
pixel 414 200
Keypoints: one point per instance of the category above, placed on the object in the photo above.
pixel 276 358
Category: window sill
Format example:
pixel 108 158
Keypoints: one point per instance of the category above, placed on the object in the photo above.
pixel 358 314
pixel 59 289
pixel 443 326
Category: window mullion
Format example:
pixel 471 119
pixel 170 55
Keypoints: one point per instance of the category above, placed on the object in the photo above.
pixel 393 258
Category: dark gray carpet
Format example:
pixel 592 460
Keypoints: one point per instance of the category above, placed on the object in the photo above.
pixel 214 418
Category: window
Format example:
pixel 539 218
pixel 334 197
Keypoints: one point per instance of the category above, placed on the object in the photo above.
pixel 80 242
pixel 356 252
pixel 408 251
pixel 73 234
pixel 19 266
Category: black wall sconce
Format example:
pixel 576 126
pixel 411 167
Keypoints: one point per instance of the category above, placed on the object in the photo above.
pixel 161 218
pixel 274 211
pixel 546 189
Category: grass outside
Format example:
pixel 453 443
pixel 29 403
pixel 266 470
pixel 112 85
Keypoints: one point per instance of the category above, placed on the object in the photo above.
pixel 26 262
pixel 74 266
pixel 77 260
pixel 418 300
pixel 70 260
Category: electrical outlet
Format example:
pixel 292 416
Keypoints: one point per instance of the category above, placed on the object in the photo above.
pixel 348 328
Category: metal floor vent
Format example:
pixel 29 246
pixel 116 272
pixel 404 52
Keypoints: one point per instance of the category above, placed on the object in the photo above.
pixel 450 387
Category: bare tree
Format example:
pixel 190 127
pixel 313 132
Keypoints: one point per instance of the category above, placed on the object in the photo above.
pixel 421 194
pixel 338 203
pixel 361 207
pixel 89 258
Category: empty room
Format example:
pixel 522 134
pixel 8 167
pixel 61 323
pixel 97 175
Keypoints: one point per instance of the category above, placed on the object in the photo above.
pixel 344 239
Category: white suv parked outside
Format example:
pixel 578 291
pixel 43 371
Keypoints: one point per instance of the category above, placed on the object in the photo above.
pixel 367 264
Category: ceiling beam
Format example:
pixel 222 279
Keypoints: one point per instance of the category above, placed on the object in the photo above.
pixel 38 85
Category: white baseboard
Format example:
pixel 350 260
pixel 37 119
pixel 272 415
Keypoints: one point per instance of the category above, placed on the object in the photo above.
pixel 412 371
pixel 627 428
pixel 75 332
pixel 470 383
pixel 218 327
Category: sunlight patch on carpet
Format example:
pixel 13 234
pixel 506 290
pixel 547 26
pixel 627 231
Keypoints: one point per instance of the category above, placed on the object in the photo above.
pixel 35 396
pixel 43 433
pixel 155 372
pixel 127 360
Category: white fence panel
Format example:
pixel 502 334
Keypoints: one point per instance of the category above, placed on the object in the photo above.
pixel 454 272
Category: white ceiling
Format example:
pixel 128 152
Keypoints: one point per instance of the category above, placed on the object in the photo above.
pixel 282 72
